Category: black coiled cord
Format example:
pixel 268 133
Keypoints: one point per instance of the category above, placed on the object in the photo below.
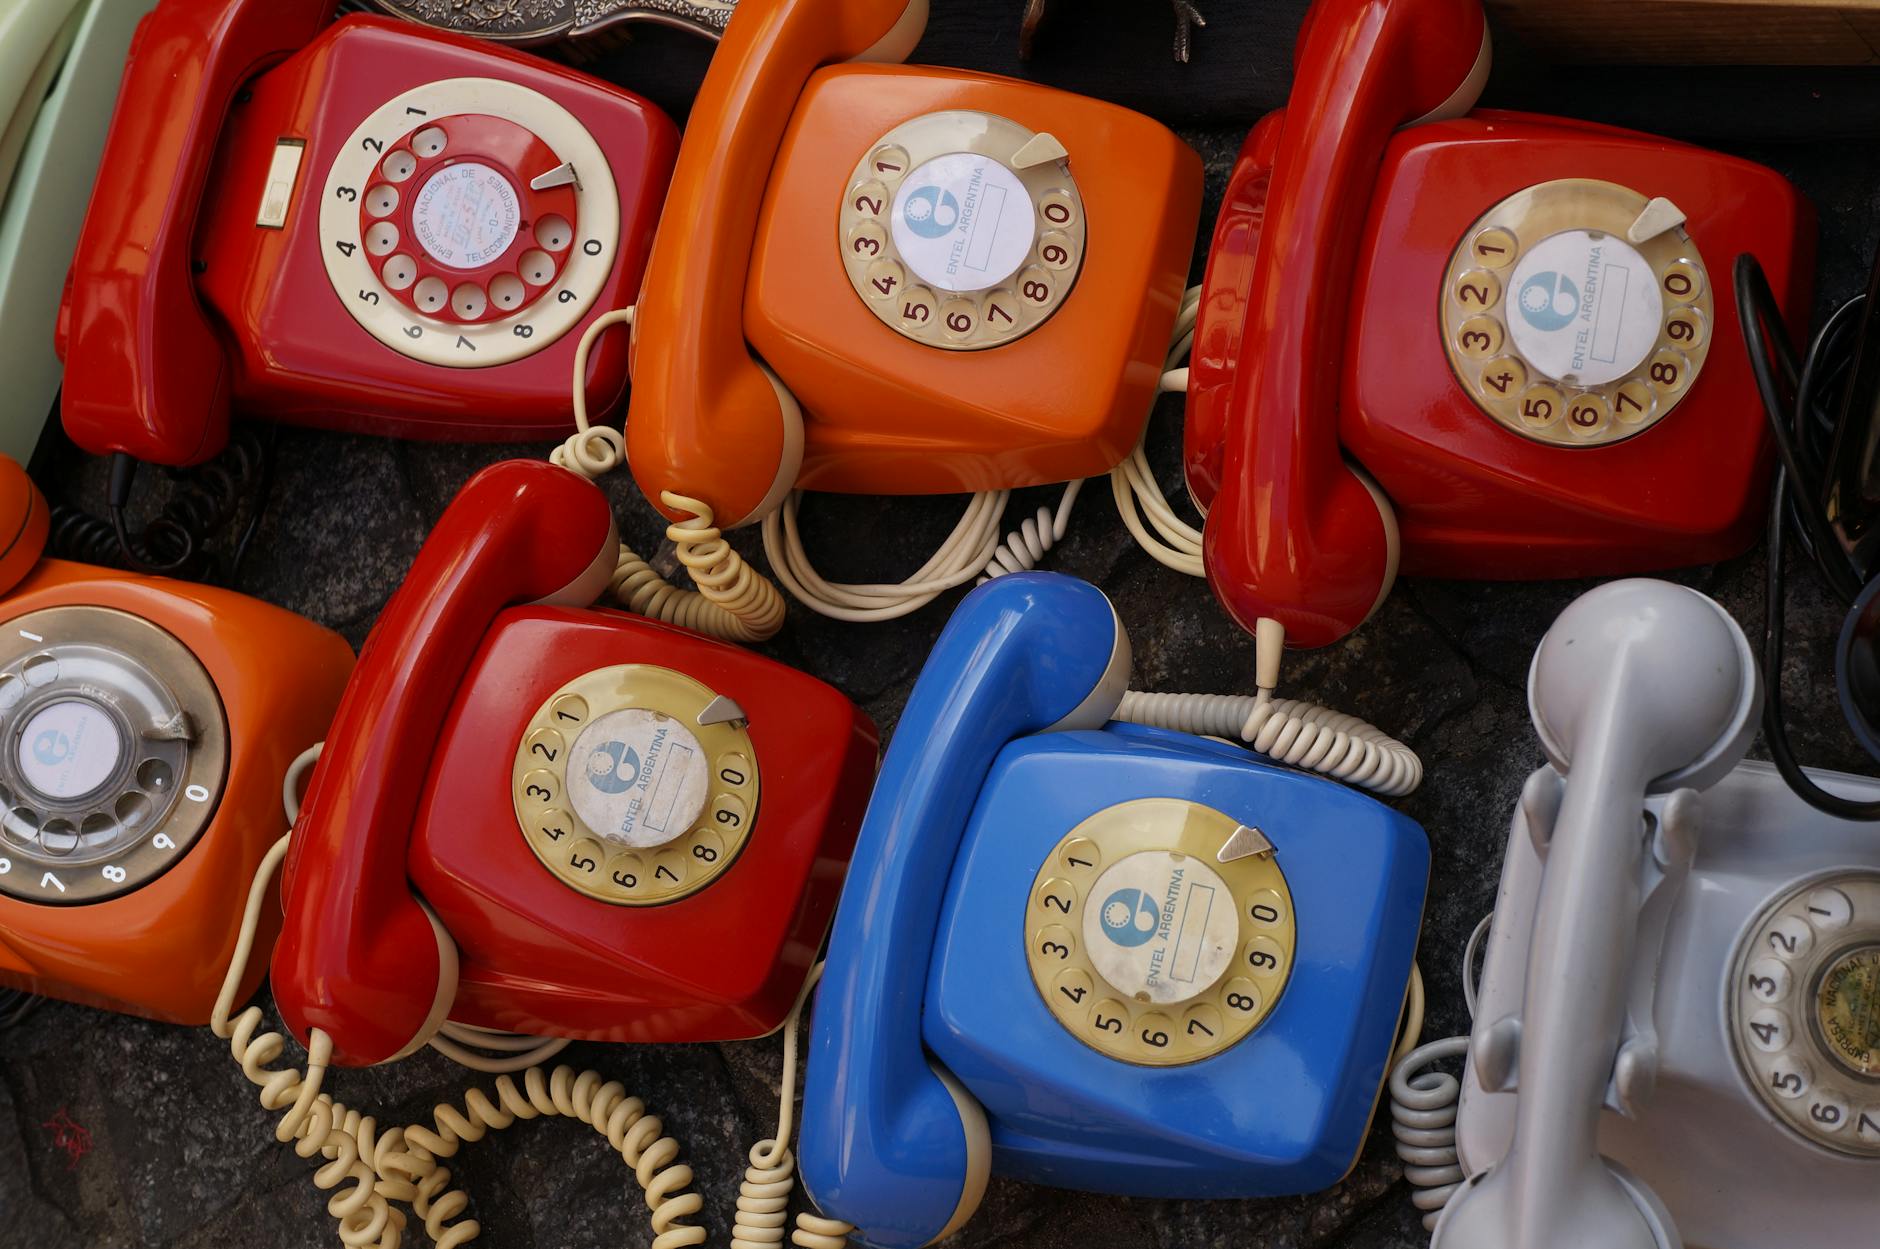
pixel 1799 395
pixel 203 502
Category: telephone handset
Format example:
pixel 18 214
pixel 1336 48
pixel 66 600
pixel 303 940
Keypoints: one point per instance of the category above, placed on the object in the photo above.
pixel 909 280
pixel 59 65
pixel 1675 1038
pixel 144 728
pixel 1115 959
pixel 1561 414
pixel 538 818
pixel 374 227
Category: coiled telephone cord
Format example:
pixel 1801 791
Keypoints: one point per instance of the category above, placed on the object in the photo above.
pixel 1174 543
pixel 312 1119
pixel 1286 730
pixel 602 1104
pixel 1424 1102
pixel 733 601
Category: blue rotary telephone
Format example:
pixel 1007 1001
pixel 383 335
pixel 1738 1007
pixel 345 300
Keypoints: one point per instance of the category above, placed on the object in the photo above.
pixel 1115 959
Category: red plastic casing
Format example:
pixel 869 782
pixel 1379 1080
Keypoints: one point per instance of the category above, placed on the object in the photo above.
pixel 413 788
pixel 1307 356
pixel 720 964
pixel 285 346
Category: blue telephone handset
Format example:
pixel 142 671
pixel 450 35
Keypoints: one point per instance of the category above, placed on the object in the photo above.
pixel 1108 958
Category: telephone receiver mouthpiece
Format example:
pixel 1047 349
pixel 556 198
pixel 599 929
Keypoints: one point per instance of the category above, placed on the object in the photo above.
pixel 1640 687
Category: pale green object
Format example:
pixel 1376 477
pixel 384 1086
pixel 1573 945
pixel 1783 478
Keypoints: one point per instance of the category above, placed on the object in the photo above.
pixel 60 64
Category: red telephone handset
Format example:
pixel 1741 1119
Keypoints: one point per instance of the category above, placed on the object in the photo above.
pixel 155 377
pixel 362 958
pixel 1313 543
pixel 710 391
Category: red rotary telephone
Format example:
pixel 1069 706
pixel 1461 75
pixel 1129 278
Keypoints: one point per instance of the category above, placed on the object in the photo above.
pixel 392 230
pixel 1563 413
pixel 544 819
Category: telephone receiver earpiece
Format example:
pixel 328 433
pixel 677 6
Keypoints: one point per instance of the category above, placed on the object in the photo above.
pixel 146 371
pixel 1640 687
pixel 890 1143
pixel 360 957
pixel 1362 69
pixel 25 523
pixel 697 391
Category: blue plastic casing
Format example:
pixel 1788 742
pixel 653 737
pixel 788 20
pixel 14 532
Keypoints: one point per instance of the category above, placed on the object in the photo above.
pixel 928 949
pixel 1283 1111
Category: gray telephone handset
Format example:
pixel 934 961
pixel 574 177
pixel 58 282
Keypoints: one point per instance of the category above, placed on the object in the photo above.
pixel 1677 1035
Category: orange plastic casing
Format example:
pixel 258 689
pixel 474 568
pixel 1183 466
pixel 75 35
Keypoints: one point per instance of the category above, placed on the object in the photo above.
pixel 161 950
pixel 884 414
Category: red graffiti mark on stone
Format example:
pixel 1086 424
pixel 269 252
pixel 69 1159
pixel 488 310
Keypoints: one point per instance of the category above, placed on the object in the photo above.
pixel 69 1136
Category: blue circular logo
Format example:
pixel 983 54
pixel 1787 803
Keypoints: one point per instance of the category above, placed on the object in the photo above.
pixel 930 212
pixel 1549 301
pixel 613 767
pixel 1129 917
pixel 52 748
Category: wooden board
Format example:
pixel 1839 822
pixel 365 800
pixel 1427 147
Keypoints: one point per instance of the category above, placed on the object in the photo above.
pixel 1707 32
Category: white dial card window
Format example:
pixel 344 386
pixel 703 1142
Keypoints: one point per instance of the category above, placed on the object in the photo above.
pixel 69 748
pixel 1161 927
pixel 963 222
pixel 1584 307
pixel 467 215
pixel 637 777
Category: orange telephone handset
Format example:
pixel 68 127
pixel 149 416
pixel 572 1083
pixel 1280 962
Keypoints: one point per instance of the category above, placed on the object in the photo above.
pixel 906 251
pixel 693 360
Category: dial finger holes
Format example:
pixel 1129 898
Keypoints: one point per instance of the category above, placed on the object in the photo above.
pixel 399 166
pixel 12 689
pixel 155 775
pixel 381 200
pixel 22 826
pixel 507 291
pixel 554 233
pixel 40 670
pixel 399 272
pixel 132 809
pixel 381 238
pixel 538 268
pixel 468 301
pixel 97 830
pixel 58 836
pixel 429 142
pixel 430 294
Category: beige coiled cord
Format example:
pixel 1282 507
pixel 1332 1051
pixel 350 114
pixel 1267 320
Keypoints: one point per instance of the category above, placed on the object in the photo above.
pixel 1175 543
pixel 733 601
pixel 312 1120
pixel 602 1104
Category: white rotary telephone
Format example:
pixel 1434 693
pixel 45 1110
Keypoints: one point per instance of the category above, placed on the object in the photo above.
pixel 1677 1034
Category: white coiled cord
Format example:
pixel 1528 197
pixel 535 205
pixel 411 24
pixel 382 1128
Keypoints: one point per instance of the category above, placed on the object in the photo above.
pixel 493 1052
pixel 602 1104
pixel 1174 543
pixel 1025 546
pixel 733 601
pixel 1286 730
pixel 1424 1102
pixel 311 1119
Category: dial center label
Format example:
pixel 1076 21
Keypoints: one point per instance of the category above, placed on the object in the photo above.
pixel 963 222
pixel 69 749
pixel 1160 925
pixel 467 215
pixel 1584 307
pixel 637 777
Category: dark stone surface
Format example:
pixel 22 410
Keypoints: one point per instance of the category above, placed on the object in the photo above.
pixel 180 1154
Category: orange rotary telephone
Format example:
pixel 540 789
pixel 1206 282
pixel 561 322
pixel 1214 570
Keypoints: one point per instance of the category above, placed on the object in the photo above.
pixel 392 230
pixel 145 725
pixel 878 279
pixel 533 817
pixel 1479 344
